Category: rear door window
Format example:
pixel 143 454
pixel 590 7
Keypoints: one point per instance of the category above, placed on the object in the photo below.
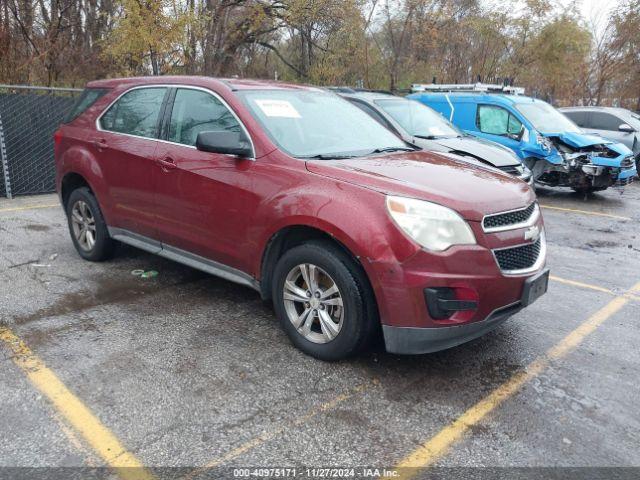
pixel 87 98
pixel 196 111
pixel 135 113
pixel 579 117
pixel 497 121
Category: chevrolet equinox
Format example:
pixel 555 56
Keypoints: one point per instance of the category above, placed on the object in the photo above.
pixel 298 194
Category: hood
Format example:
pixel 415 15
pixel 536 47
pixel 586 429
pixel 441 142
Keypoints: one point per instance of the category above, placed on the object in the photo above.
pixel 483 150
pixel 473 191
pixel 579 140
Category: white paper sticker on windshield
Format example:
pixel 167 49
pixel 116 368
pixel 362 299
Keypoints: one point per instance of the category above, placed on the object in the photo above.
pixel 278 108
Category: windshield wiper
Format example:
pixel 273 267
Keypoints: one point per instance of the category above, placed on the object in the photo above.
pixel 324 156
pixel 436 137
pixel 393 149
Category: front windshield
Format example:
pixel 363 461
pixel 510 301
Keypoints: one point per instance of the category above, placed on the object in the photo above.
pixel 418 119
pixel 314 123
pixel 546 119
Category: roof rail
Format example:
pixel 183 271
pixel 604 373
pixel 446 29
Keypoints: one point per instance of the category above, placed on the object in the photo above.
pixel 467 87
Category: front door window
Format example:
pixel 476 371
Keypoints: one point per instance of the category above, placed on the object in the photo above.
pixel 195 111
pixel 497 121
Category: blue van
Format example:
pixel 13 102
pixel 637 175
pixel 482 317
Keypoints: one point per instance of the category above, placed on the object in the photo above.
pixel 551 145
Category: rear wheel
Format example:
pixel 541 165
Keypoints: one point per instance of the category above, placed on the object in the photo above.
pixel 87 226
pixel 321 301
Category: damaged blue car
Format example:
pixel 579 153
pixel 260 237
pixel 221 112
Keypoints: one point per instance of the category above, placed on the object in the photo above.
pixel 554 148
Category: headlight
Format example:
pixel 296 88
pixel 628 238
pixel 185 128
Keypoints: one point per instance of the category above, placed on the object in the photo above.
pixel 432 226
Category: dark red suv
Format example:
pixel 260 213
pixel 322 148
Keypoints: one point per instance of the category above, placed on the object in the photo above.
pixel 303 197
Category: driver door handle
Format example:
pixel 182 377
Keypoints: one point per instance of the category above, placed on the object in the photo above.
pixel 167 164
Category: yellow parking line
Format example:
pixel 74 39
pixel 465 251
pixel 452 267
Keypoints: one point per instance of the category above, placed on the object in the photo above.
pixel 588 286
pixel 269 435
pixel 581 285
pixel 430 451
pixel 586 212
pixel 71 408
pixel 28 207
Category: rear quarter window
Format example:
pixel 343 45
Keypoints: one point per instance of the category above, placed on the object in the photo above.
pixel 87 98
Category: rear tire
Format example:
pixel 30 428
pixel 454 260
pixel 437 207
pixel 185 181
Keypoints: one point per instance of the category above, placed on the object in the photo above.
pixel 328 326
pixel 87 227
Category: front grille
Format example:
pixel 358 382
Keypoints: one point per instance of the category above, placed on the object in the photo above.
pixel 519 258
pixel 508 218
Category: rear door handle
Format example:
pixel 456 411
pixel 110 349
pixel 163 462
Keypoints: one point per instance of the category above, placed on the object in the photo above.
pixel 167 164
pixel 100 144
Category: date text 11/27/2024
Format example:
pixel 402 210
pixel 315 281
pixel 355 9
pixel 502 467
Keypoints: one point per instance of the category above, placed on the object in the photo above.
pixel 313 473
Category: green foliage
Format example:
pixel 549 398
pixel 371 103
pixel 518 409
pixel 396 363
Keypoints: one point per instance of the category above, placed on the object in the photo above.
pixel 559 55
pixel 146 31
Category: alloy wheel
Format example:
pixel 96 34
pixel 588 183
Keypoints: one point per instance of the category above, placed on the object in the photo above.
pixel 84 225
pixel 313 303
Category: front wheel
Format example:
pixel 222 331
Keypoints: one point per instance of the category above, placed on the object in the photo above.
pixel 322 302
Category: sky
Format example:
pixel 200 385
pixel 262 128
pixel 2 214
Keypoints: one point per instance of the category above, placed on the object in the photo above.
pixel 596 7
pixel 595 12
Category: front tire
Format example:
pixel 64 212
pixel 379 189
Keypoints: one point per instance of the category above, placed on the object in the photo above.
pixel 322 302
pixel 87 227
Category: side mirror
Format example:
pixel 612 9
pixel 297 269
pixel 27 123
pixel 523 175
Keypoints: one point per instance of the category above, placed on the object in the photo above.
pixel 517 136
pixel 227 143
pixel 626 128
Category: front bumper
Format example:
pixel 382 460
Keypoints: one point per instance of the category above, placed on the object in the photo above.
pixel 471 271
pixel 411 340
pixel 626 176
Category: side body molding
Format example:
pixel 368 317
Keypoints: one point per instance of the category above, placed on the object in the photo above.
pixel 181 256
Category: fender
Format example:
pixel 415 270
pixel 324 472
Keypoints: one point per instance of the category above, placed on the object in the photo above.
pixel 80 161
pixel 356 224
pixel 552 157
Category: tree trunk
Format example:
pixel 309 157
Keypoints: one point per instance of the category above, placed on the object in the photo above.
pixel 154 62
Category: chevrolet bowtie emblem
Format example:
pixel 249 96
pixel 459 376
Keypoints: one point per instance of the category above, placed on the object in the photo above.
pixel 532 234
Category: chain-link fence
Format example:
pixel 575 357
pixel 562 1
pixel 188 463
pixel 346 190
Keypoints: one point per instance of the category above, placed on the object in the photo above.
pixel 28 118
